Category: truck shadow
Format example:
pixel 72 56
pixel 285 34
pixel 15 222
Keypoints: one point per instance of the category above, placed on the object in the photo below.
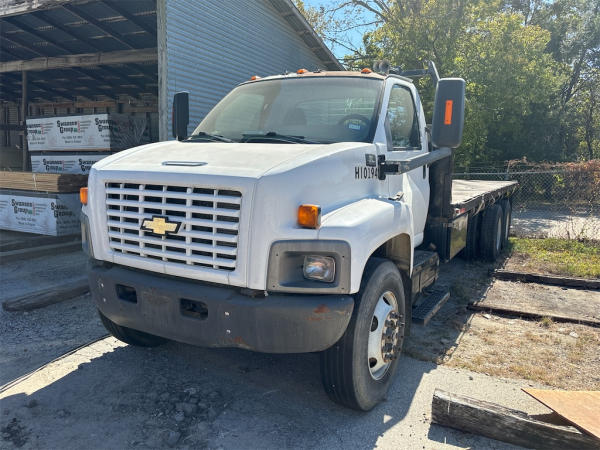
pixel 109 395
pixel 230 398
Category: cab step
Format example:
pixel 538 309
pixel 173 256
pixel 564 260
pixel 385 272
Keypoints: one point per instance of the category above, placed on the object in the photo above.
pixel 429 305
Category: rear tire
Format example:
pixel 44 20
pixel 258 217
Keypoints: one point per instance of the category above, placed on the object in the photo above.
pixel 358 370
pixel 471 250
pixel 129 335
pixel 491 232
pixel 506 219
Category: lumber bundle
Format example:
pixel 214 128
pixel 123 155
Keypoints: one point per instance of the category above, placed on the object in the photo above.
pixel 42 182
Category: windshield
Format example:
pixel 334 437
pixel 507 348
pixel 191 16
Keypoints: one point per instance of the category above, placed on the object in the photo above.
pixel 311 110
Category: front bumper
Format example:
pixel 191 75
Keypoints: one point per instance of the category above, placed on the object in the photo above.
pixel 219 316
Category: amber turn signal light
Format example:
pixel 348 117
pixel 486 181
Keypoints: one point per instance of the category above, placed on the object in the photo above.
pixel 83 195
pixel 309 216
pixel 301 71
pixel 366 70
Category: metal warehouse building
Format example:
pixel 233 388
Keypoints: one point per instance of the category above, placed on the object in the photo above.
pixel 61 57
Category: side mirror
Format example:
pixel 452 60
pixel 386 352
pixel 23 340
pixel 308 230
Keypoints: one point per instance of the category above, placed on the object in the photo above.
pixel 448 113
pixel 181 115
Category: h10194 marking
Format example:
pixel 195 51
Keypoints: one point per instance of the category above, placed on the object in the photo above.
pixel 365 173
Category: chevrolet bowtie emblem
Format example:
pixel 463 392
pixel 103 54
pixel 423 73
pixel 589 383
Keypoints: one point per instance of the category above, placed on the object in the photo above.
pixel 160 225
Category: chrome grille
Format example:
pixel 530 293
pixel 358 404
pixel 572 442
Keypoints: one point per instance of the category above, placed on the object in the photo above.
pixel 207 237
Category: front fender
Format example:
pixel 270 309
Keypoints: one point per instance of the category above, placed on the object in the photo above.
pixel 366 225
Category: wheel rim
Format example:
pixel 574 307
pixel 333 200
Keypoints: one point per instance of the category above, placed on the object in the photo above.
pixel 499 234
pixel 384 335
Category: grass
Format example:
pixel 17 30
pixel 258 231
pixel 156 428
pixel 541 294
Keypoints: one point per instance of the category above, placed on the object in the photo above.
pixel 558 256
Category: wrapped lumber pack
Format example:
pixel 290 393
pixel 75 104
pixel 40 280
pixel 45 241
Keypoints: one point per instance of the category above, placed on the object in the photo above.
pixel 40 203
pixel 72 144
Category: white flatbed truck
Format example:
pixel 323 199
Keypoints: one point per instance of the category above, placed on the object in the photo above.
pixel 307 212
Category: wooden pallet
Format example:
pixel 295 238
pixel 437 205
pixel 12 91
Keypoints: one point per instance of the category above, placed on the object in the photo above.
pixel 42 182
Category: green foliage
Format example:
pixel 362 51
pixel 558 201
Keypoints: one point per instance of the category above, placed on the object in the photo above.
pixel 532 68
pixel 560 256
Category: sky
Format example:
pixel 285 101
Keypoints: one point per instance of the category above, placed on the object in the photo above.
pixel 354 36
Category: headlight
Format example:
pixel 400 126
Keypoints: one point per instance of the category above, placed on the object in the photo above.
pixel 320 268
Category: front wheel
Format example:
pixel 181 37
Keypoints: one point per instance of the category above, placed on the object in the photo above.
pixel 358 370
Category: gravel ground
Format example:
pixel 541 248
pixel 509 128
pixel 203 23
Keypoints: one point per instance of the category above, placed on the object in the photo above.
pixel 110 395
pixel 557 224
pixel 29 339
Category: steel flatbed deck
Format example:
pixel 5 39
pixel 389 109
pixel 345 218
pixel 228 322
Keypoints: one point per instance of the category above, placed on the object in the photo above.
pixel 473 195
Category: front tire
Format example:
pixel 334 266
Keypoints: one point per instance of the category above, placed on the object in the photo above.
pixel 129 335
pixel 358 370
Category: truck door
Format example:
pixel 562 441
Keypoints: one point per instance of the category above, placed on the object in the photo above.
pixel 405 130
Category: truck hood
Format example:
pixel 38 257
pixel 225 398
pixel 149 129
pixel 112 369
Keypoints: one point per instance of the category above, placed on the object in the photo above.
pixel 250 160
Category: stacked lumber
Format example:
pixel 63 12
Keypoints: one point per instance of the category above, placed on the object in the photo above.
pixel 42 182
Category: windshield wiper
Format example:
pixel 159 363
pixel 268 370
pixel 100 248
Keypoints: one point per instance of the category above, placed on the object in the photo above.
pixel 210 137
pixel 274 136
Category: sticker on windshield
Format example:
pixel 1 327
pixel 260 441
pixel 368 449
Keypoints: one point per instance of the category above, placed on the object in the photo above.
pixel 365 173
pixel 354 126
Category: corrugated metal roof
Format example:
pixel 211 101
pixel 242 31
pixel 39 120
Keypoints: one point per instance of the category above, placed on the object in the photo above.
pixel 49 28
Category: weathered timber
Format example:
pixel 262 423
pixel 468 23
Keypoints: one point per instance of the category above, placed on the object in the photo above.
pixel 34 252
pixel 46 297
pixel 556 280
pixel 504 424
pixel 80 60
pixel 533 315
pixel 27 241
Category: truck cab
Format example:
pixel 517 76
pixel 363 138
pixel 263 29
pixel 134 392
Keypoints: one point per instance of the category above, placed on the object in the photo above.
pixel 287 222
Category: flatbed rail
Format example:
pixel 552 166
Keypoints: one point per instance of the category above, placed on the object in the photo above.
pixel 473 195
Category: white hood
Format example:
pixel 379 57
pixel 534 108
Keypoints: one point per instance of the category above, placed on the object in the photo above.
pixel 250 160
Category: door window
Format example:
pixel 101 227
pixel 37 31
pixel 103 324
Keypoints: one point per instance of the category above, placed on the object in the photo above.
pixel 402 119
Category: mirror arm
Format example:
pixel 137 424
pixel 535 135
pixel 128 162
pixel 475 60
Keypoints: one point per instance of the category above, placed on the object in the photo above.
pixel 400 166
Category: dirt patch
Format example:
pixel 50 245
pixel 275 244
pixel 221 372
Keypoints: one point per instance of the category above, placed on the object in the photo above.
pixel 561 355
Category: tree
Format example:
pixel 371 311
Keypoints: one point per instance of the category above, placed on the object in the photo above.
pixel 526 63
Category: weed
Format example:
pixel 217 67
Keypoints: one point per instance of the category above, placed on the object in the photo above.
pixel 560 256
pixel 546 322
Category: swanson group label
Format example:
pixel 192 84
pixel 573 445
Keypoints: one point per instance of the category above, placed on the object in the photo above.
pixel 76 163
pixel 87 132
pixel 55 215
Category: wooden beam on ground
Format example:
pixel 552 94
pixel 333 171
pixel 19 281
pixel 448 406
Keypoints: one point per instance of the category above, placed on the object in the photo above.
pixel 47 296
pixel 504 424
pixel 556 280
pixel 81 60
pixel 533 315
pixel 34 252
